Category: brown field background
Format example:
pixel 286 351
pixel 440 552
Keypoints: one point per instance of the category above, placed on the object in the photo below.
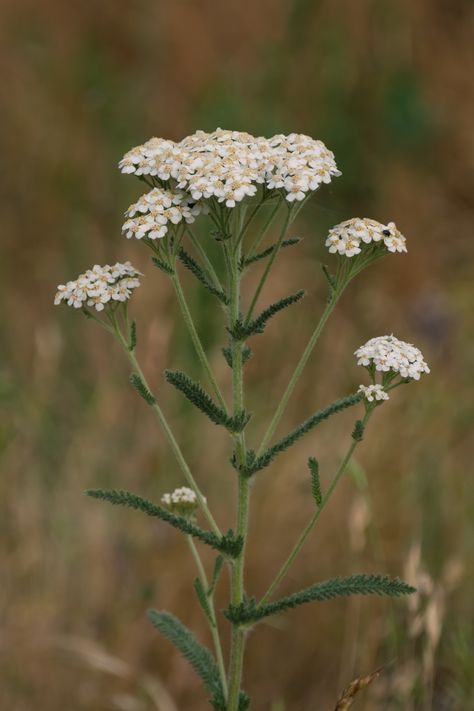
pixel 387 85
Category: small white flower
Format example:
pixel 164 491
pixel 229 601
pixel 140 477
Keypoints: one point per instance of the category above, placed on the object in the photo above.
pixel 348 238
pixel 98 286
pixel 182 500
pixel 388 354
pixel 373 392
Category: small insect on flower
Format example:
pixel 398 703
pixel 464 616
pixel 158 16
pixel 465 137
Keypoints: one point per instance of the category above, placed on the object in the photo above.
pixel 348 238
pixel 182 501
pixel 99 286
pixel 389 355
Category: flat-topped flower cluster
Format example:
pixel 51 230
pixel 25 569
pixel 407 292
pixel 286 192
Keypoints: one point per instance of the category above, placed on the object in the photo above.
pixel 229 165
pixel 99 285
pixel 348 237
pixel 388 354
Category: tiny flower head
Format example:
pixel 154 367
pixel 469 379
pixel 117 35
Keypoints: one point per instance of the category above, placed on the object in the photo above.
pixel 387 354
pixel 99 286
pixel 373 393
pixel 182 501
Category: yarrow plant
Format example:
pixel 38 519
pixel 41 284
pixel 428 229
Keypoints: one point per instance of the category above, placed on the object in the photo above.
pixel 240 187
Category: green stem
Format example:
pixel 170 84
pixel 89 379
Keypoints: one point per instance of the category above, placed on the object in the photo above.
pixel 299 369
pixel 266 226
pixel 213 620
pixel 269 265
pixel 202 252
pixel 196 340
pixel 169 434
pixel 237 580
pixel 314 518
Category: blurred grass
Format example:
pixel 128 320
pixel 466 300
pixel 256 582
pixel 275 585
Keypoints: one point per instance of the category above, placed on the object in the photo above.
pixel 387 85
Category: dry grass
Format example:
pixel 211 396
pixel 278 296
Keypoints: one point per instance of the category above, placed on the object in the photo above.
pixel 387 86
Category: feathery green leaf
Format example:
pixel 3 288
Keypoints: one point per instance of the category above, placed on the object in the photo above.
pixel 313 466
pixel 228 544
pixel 133 336
pixel 200 399
pixel 249 612
pixel 246 261
pixel 358 432
pixel 215 574
pixel 142 389
pixel 201 275
pixel 198 656
pixel 162 265
pixel 255 464
pixel 242 330
pixel 246 354
pixel 329 277
pixel 203 600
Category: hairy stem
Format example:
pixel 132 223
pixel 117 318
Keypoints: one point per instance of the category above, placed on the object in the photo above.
pixel 314 518
pixel 269 264
pixel 169 434
pixel 237 580
pixel 213 620
pixel 275 421
pixel 196 340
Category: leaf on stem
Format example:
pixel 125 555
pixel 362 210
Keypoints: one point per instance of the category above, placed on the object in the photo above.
pixel 215 574
pixel 358 431
pixel 203 599
pixel 313 466
pixel 228 544
pixel 142 389
pixel 202 276
pixel 200 399
pixel 198 656
pixel 246 355
pixel 249 611
pixel 160 264
pixel 255 464
pixel 133 336
pixel 242 330
pixel 246 261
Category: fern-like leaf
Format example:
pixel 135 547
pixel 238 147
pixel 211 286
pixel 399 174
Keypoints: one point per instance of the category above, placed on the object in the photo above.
pixel 313 466
pixel 246 261
pixel 201 276
pixel 229 544
pixel 255 464
pixel 242 330
pixel 246 354
pixel 133 337
pixel 358 432
pixel 200 399
pixel 249 612
pixel 198 656
pixel 160 264
pixel 142 389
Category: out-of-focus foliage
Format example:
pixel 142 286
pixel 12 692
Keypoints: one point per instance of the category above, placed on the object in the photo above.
pixel 387 85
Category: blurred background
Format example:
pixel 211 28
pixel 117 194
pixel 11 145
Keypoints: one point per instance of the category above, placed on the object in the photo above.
pixel 387 85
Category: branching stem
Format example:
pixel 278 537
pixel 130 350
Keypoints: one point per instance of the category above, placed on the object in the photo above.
pixel 314 518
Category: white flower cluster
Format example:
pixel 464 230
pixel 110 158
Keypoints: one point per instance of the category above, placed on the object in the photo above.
pixel 347 238
pixel 387 353
pixel 150 215
pixel 99 285
pixel 182 500
pixel 228 165
pixel 373 392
